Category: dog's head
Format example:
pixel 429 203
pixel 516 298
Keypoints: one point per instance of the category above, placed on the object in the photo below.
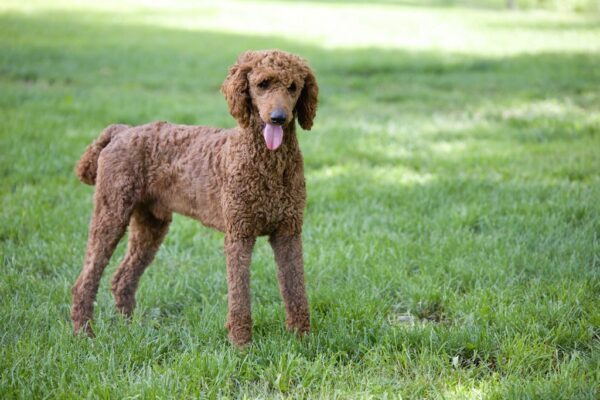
pixel 268 89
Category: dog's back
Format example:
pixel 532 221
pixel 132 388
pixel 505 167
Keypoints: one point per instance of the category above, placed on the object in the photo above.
pixel 175 168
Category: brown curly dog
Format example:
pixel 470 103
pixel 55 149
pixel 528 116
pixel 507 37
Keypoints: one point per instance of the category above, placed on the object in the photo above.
pixel 246 182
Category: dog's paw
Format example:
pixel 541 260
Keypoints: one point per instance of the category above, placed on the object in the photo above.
pixel 83 328
pixel 240 335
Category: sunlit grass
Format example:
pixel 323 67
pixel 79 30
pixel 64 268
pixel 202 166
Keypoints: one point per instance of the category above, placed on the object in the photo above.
pixel 388 25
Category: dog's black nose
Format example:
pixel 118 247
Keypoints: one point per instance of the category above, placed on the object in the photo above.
pixel 278 117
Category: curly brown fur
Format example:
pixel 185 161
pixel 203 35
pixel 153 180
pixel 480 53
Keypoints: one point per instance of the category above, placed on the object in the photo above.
pixel 88 163
pixel 226 178
pixel 290 272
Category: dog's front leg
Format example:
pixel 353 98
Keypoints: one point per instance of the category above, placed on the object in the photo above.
pixel 239 319
pixel 290 272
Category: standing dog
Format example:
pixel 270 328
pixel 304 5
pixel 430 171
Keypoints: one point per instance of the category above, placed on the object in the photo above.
pixel 246 182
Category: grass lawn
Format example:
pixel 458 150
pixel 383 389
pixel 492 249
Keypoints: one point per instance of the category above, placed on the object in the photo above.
pixel 452 233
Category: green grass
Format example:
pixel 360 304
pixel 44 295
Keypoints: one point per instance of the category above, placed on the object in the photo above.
pixel 452 233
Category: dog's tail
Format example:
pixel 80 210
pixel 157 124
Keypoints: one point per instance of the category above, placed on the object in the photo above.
pixel 87 166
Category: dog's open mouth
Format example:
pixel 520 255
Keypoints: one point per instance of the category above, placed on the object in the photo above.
pixel 273 136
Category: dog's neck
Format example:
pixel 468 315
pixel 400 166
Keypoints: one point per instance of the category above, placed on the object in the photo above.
pixel 252 140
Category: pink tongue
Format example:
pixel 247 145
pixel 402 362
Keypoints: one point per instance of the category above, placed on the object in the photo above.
pixel 273 136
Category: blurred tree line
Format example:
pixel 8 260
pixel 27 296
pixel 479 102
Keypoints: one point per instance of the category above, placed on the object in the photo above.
pixel 570 5
pixel 561 5
pixel 583 6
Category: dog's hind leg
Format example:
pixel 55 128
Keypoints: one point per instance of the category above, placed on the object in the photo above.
pixel 146 233
pixel 114 204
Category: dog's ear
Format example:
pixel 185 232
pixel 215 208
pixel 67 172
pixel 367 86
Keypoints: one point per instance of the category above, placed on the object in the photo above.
pixel 235 90
pixel 306 107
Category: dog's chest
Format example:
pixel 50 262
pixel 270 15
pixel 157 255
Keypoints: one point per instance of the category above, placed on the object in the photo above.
pixel 265 193
pixel 261 201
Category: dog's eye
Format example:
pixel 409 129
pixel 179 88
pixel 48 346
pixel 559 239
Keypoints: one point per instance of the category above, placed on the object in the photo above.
pixel 292 87
pixel 264 84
